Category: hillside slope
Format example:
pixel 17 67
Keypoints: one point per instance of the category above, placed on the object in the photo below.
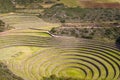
pixel 92 3
pixel 63 14
pixel 10 5
pixel 6 6
pixel 6 74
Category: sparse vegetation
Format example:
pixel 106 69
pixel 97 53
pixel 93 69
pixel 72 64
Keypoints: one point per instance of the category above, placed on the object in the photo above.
pixel 60 12
pixel 6 6
pixel 25 2
pixel 104 33
pixel 6 74
pixel 4 27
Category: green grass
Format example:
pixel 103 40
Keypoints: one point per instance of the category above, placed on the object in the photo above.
pixel 75 73
pixel 26 21
pixel 70 3
pixel 34 57
pixel 33 54
pixel 30 32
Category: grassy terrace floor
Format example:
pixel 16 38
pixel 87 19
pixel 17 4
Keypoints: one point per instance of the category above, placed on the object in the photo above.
pixel 33 54
pixel 26 21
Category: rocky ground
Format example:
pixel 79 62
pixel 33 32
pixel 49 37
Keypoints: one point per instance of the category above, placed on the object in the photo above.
pixel 89 31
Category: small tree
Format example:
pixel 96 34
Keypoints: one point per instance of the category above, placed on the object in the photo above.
pixel 62 20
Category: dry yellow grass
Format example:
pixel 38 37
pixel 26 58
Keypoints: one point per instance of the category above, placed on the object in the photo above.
pixel 26 21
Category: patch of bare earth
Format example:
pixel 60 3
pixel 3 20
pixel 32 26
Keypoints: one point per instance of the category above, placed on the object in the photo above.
pixel 90 4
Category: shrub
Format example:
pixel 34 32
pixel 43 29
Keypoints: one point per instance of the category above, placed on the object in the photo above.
pixel 6 6
pixel 81 14
pixel 62 20
pixel 3 26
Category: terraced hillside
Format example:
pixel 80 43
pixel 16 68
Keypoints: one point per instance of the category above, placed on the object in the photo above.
pixel 34 54
pixel 6 74
pixel 25 21
pixel 31 52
